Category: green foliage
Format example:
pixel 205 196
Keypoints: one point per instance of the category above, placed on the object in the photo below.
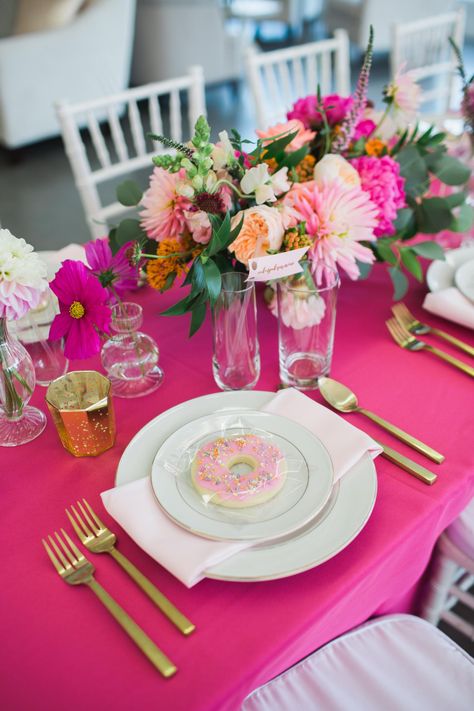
pixel 399 281
pixel 129 193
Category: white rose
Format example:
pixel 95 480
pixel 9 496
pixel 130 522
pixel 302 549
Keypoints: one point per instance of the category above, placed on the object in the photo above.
pixel 334 167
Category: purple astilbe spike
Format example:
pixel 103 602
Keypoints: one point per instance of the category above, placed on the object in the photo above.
pixel 344 137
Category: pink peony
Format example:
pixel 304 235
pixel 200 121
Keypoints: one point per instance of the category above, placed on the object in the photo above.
pixel 83 310
pixel 381 180
pixel 338 218
pixel 364 129
pixel 336 109
pixel 303 136
pixel 163 216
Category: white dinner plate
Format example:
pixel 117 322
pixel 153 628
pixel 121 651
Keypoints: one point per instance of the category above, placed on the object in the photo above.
pixel 464 279
pixel 440 273
pixel 341 520
pixel 308 482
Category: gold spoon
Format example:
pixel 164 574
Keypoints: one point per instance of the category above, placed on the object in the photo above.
pixel 344 400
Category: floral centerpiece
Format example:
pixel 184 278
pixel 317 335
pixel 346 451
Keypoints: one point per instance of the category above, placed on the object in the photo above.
pixel 348 183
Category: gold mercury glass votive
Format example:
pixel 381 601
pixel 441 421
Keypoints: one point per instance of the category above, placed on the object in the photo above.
pixel 81 405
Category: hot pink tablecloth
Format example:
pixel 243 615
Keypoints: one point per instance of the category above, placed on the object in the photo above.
pixel 59 646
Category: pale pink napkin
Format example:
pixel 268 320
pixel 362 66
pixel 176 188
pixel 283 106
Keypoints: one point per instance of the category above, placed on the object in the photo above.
pixel 451 304
pixel 187 556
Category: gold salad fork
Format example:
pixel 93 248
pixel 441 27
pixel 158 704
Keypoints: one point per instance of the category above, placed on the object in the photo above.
pixel 97 538
pixel 75 569
pixel 406 319
pixel 406 340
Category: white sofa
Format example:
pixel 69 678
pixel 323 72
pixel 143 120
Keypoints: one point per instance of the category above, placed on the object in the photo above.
pixel 172 35
pixel 88 58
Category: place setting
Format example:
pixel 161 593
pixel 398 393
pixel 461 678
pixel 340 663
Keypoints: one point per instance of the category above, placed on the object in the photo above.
pixel 238 410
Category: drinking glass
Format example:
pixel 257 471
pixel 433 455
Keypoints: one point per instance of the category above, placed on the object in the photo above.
pixel 306 321
pixel 236 359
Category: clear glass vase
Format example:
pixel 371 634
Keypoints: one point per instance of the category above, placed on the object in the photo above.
pixel 19 422
pixel 306 323
pixel 33 332
pixel 130 357
pixel 236 359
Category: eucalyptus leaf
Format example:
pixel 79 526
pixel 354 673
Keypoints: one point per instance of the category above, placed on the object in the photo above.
pixel 433 215
pixel 399 281
pixel 411 263
pixel 364 270
pixel 428 249
pixel 450 170
pixel 464 219
pixel 113 241
pixel 414 170
pixel 129 230
pixel 129 193
pixel 384 251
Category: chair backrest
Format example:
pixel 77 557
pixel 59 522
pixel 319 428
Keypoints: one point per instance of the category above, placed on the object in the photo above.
pixel 113 141
pixel 280 77
pixel 423 47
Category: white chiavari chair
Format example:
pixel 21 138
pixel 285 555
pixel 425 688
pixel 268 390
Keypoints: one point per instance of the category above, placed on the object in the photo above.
pixel 280 77
pixel 107 138
pixel 423 48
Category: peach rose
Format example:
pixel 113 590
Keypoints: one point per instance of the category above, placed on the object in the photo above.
pixel 262 230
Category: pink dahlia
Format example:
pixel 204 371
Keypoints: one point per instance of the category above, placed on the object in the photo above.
pixel 381 180
pixel 83 310
pixel 114 271
pixel 336 109
pixel 338 218
pixel 163 216
pixel 303 136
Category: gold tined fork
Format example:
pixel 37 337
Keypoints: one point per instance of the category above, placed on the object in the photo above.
pixel 75 569
pixel 406 319
pixel 97 538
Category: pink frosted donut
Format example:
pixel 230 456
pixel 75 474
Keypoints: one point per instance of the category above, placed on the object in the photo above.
pixel 215 480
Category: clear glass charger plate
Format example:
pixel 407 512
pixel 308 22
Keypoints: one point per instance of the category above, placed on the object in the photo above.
pixel 341 520
pixel 308 483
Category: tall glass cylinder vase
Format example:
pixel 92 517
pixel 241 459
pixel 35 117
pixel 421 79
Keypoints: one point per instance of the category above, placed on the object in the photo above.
pixel 306 322
pixel 236 359
pixel 19 422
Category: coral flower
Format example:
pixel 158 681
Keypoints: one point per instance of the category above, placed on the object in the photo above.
pixel 163 216
pixel 303 136
pixel 115 272
pixel 83 310
pixel 338 218
pixel 262 230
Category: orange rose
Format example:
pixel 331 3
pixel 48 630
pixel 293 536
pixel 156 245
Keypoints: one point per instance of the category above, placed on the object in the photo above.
pixel 262 230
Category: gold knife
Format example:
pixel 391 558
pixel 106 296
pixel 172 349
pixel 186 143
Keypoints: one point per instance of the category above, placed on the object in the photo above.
pixel 425 475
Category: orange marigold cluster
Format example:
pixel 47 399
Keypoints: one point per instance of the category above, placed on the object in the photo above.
pixel 375 147
pixel 305 168
pixel 173 257
pixel 294 240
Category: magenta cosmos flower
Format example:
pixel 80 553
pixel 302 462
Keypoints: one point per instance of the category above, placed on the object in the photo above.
pixel 114 271
pixel 83 310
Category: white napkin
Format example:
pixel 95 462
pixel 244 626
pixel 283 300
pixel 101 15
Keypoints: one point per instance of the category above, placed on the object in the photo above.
pixel 452 305
pixel 188 556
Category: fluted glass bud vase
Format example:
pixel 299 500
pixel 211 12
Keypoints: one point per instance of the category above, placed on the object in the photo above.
pixel 130 357
pixel 19 422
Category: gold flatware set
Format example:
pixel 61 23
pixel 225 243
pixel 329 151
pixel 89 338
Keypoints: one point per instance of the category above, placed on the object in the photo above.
pixel 404 325
pixel 75 569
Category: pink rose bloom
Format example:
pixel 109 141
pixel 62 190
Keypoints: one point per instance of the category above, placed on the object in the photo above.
pixel 381 179
pixel 199 225
pixel 303 136
pixel 364 129
pixel 335 106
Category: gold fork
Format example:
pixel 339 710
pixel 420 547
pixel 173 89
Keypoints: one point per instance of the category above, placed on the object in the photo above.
pixel 405 339
pixel 97 538
pixel 406 319
pixel 75 569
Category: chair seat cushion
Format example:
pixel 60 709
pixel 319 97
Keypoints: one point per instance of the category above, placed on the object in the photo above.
pixel 461 531
pixel 398 662
pixel 41 15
